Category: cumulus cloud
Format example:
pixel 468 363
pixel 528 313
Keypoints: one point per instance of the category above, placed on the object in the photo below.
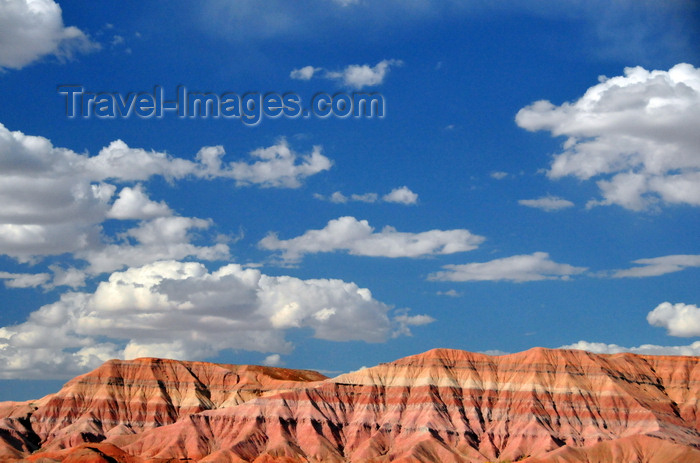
pixel 357 76
pixel 635 135
pixel 679 319
pixel 157 239
pixel 305 73
pixel 24 280
pixel 273 360
pixel 54 201
pixel 31 29
pixel 529 267
pixel 133 203
pixel 644 349
pixel 358 238
pixel 401 195
pixel 71 277
pixel 659 266
pixel 547 203
pixel 405 321
pixel 181 310
pixel 276 166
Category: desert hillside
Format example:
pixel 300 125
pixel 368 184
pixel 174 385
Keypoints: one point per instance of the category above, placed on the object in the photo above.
pixel 440 406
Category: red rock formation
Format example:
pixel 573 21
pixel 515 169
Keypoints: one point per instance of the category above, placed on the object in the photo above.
pixel 127 397
pixel 441 406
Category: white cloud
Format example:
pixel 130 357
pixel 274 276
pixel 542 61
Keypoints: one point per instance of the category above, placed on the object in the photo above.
pixel 363 198
pixel 635 134
pixel 71 277
pixel 182 310
pixel 547 203
pixel 158 239
pixel 402 195
pixel 273 360
pixel 499 175
pixel 358 238
pixel 529 267
pixel 277 167
pixel 644 349
pixel 659 266
pixel 305 73
pixel 31 29
pixel 24 280
pixel 357 76
pixel 133 203
pixel 54 201
pixel 679 319
pixel 450 293
pixel 405 321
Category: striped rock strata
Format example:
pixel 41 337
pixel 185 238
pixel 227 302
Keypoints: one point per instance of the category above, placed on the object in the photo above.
pixel 128 397
pixel 441 406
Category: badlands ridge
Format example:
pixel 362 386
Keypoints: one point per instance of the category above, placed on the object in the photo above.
pixel 537 406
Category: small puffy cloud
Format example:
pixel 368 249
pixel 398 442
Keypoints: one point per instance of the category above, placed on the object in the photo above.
pixel 450 293
pixel 645 349
pixel 181 310
pixel 404 322
pixel 31 29
pixel 273 360
pixel 305 73
pixel 499 175
pixel 402 195
pixel 679 319
pixel 133 203
pixel 365 198
pixel 529 267
pixel 636 135
pixel 277 166
pixel 339 198
pixel 357 76
pixel 659 266
pixel 360 76
pixel 357 237
pixel 24 280
pixel 547 203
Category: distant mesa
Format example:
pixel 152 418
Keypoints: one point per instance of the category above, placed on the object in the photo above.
pixel 537 406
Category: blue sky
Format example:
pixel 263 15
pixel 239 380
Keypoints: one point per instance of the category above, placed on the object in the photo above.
pixel 535 181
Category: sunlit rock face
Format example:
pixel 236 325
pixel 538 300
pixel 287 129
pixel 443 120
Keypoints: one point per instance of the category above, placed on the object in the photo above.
pixel 441 406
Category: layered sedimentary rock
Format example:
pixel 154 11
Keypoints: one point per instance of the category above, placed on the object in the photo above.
pixel 128 397
pixel 443 406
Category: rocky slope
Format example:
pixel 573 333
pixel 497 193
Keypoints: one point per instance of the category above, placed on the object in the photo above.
pixel 441 406
pixel 128 397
